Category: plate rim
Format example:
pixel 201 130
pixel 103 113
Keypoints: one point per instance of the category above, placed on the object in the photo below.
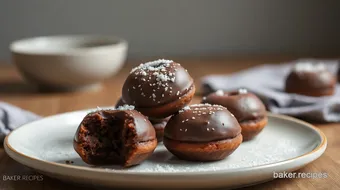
pixel 10 150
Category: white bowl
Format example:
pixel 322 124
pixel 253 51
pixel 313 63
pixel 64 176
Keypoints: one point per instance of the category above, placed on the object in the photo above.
pixel 69 62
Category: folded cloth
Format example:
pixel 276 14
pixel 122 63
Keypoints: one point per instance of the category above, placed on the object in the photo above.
pixel 267 81
pixel 12 117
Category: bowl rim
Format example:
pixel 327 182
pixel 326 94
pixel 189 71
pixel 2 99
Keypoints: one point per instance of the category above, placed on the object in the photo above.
pixel 120 43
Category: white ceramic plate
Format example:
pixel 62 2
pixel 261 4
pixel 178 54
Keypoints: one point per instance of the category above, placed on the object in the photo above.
pixel 286 144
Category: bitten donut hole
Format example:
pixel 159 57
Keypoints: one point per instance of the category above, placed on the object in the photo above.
pixel 110 139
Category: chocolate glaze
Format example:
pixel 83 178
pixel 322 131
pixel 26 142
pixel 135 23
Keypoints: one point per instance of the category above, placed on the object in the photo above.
pixel 159 124
pixel 245 106
pixel 143 127
pixel 120 102
pixel 202 123
pixel 164 83
pixel 298 81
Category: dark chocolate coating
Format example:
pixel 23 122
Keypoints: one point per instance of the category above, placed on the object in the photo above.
pixel 202 123
pixel 143 127
pixel 146 88
pixel 245 106
pixel 120 102
pixel 159 123
pixel 305 81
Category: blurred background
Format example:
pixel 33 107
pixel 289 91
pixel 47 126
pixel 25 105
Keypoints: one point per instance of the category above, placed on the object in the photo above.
pixel 183 28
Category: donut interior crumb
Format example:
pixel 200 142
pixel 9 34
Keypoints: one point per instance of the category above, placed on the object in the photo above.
pixel 108 139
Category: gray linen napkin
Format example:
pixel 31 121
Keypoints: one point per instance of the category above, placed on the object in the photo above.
pixel 12 117
pixel 267 81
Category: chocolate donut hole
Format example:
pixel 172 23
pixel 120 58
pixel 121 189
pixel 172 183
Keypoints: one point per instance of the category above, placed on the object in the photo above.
pixel 202 132
pixel 248 109
pixel 122 136
pixel 310 79
pixel 158 88
pixel 106 144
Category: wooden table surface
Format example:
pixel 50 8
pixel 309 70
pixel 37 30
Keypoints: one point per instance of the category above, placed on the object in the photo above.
pixel 13 90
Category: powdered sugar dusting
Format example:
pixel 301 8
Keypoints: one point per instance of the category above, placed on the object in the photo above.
pixel 156 65
pixel 219 93
pixel 126 107
pixel 242 91
pixel 309 67
pixel 249 154
pixel 160 75
pixel 197 110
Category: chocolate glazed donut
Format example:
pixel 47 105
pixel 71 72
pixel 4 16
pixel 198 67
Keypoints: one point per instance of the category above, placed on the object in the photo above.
pixel 159 88
pixel 248 109
pixel 123 137
pixel 202 132
pixel 310 80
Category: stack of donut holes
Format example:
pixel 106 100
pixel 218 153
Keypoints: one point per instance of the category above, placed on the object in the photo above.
pixel 154 107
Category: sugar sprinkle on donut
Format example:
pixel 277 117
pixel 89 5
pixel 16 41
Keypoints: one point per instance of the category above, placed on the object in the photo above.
pixel 219 93
pixel 126 107
pixel 309 67
pixel 242 91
